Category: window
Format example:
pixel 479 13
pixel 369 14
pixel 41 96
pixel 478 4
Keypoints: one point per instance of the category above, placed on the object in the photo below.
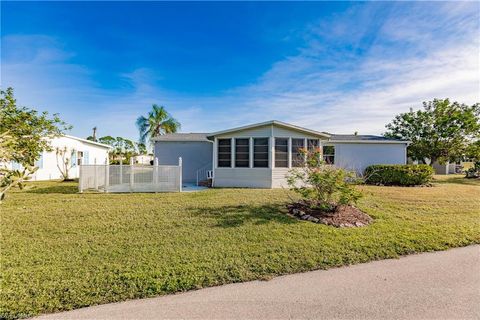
pixel 224 153
pixel 74 158
pixel 39 163
pixel 329 154
pixel 298 159
pixel 281 152
pixel 260 152
pixel 79 157
pixel 86 159
pixel 242 153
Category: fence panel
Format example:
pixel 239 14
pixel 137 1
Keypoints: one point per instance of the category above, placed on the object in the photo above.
pixel 130 178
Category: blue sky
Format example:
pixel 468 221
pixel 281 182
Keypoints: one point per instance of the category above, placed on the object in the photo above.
pixel 331 66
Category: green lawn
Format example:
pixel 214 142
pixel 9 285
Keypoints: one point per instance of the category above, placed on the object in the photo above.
pixel 62 250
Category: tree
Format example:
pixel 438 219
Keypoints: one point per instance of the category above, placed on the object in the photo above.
pixel 473 151
pixel 28 128
pixel 11 177
pixel 157 122
pixel 440 132
pixel 94 136
pixel 141 148
pixel 24 135
pixel 108 140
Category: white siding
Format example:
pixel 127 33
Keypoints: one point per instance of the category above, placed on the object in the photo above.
pixel 243 177
pixel 285 132
pixel 279 177
pixel 358 156
pixel 259 132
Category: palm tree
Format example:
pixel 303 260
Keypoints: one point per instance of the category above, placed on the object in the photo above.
pixel 158 122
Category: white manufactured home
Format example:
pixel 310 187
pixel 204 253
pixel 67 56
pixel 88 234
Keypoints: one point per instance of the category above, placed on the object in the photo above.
pixel 79 151
pixel 260 155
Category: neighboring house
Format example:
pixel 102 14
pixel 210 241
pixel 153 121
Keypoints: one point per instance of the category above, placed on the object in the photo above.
pixel 260 155
pixel 79 151
pixel 143 159
pixel 452 167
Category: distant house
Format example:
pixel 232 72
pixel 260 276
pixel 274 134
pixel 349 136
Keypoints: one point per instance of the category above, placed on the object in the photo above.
pixel 260 155
pixel 79 151
pixel 143 159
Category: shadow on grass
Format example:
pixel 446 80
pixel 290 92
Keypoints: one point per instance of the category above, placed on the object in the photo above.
pixel 62 189
pixel 235 216
pixel 458 180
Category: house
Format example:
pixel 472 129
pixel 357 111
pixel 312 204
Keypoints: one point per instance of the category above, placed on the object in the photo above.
pixel 260 155
pixel 453 167
pixel 143 159
pixel 78 151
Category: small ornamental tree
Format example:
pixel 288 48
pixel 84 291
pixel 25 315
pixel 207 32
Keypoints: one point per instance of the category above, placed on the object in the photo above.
pixel 64 161
pixel 322 186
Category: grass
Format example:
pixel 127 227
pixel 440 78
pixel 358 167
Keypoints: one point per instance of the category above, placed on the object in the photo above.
pixel 61 250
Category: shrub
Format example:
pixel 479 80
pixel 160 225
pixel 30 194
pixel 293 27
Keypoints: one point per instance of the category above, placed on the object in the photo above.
pixel 322 186
pixel 399 175
pixel 473 172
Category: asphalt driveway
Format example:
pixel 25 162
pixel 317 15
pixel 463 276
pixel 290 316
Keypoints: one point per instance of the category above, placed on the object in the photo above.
pixel 440 285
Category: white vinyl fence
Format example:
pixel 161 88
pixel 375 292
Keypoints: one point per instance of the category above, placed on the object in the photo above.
pixel 131 178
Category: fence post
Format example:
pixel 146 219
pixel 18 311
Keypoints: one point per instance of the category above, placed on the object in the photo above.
pixel 180 173
pixel 121 172
pixel 155 173
pixel 95 173
pixel 107 174
pixel 132 175
pixel 80 180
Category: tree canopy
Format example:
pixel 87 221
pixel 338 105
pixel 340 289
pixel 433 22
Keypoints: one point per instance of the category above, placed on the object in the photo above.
pixel 28 129
pixel 441 131
pixel 157 122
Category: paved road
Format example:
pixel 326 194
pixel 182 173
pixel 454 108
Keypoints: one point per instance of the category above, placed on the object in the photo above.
pixel 441 285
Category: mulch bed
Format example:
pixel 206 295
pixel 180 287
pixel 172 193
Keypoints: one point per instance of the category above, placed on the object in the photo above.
pixel 343 216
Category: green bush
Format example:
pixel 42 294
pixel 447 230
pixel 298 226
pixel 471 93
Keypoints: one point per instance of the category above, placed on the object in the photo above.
pixel 322 186
pixel 399 174
pixel 473 172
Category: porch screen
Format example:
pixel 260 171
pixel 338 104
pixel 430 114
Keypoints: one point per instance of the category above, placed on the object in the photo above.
pixel 224 153
pixel 312 144
pixel 281 152
pixel 260 152
pixel 242 153
pixel 297 157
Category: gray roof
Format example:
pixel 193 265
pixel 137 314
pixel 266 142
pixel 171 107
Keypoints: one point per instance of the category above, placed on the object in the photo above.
pixel 192 137
pixel 182 137
pixel 353 137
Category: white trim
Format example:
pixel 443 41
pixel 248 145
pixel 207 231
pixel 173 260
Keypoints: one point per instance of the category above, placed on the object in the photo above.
pixel 271 154
pixel 289 147
pixel 368 141
pixel 215 148
pixel 250 152
pixel 88 141
pixel 271 122
pixel 232 154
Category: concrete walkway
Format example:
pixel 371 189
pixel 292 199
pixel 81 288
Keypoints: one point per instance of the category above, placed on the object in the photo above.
pixel 441 285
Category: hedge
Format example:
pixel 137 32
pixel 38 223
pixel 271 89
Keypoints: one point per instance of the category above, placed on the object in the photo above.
pixel 399 174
